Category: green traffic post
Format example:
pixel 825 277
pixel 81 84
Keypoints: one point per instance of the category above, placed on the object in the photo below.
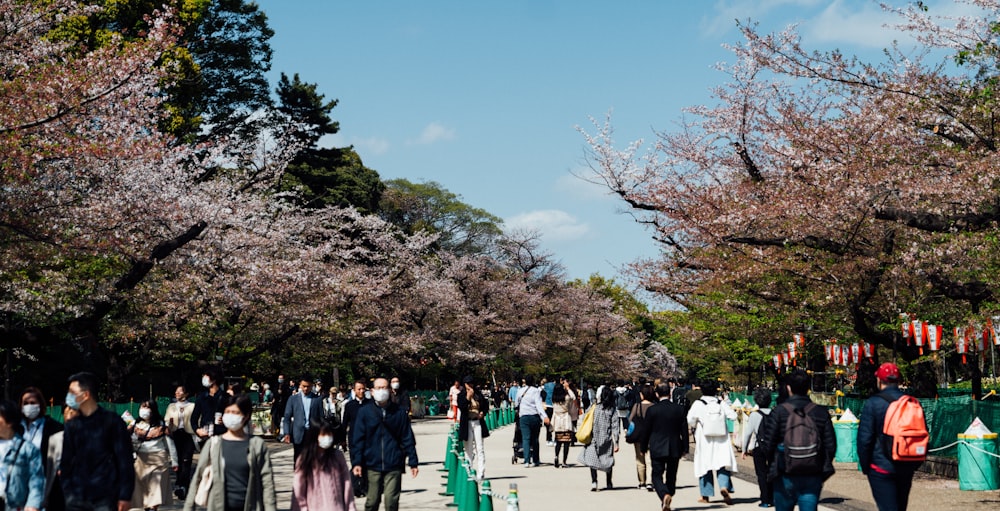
pixel 470 498
pixel 485 497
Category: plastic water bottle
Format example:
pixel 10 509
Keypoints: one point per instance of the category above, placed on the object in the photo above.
pixel 512 498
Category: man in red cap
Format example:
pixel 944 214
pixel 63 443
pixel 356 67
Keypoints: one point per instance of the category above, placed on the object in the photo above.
pixel 890 480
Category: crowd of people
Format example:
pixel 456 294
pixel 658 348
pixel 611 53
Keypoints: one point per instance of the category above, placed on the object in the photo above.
pixel 96 461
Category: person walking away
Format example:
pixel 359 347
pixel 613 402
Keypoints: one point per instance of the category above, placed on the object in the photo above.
pixel 207 412
pixel 713 451
pixel 563 399
pixel 531 411
pixel 322 481
pixel 751 439
pixel 39 429
pixel 801 444
pixel 599 454
pixel 890 479
pixel 548 387
pixel 666 435
pixel 624 400
pixel 155 456
pixel 180 425
pixel 647 399
pixel 473 407
pixel 302 412
pixel 20 463
pixel 96 468
pixel 242 478
pixel 382 442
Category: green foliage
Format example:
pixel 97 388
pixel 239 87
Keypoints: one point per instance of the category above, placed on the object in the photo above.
pixel 429 207
pixel 301 103
pixel 334 177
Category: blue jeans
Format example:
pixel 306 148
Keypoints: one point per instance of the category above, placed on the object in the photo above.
pixel 707 487
pixel 530 426
pixel 803 491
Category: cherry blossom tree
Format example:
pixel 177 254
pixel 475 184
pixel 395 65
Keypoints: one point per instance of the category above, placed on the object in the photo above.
pixel 835 191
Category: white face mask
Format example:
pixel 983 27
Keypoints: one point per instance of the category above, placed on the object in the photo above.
pixel 395 385
pixel 325 442
pixel 144 413
pixel 31 411
pixel 380 395
pixel 206 382
pixel 232 421
pixel 368 394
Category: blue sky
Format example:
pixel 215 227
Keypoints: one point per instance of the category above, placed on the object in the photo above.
pixel 485 97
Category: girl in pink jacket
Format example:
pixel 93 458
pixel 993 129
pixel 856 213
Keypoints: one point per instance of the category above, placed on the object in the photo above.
pixel 322 481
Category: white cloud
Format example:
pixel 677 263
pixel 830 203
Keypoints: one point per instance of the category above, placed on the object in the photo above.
pixel 582 185
pixel 553 224
pixel 866 25
pixel 434 132
pixel 364 146
pixel 728 11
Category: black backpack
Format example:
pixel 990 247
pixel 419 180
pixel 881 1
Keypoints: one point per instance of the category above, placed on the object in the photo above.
pixel 803 453
pixel 622 401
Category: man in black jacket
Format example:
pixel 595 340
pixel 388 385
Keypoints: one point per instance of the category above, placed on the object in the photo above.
pixel 666 436
pixel 890 480
pixel 791 488
pixel 382 443
pixel 96 470
pixel 351 409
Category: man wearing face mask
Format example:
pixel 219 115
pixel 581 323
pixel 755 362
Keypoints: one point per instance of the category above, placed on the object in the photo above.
pixel 382 443
pixel 207 414
pixel 399 395
pixel 96 468
pixel 278 406
pixel 37 430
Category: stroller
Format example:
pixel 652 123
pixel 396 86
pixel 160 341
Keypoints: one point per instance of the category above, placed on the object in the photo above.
pixel 518 441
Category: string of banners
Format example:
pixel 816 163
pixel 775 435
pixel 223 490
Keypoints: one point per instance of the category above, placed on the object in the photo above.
pixel 975 337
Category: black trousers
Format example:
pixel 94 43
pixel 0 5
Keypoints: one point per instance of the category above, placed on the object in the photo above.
pixel 761 466
pixel 891 491
pixel 185 454
pixel 665 475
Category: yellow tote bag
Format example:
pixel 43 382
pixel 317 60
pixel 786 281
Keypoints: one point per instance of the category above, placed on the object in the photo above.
pixel 585 433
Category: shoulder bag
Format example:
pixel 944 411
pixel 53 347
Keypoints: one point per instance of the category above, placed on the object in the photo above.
pixel 585 433
pixel 201 496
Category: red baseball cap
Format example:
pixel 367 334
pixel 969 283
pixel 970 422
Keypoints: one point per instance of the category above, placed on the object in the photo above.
pixel 887 372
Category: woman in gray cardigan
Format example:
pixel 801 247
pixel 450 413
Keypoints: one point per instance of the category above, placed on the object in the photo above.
pixel 240 465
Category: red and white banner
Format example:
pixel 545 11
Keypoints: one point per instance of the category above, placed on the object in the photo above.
pixel 934 333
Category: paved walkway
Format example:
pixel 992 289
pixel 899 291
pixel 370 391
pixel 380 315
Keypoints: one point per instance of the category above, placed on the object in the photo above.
pixel 548 488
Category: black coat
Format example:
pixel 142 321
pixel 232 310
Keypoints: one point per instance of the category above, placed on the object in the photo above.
pixel 665 430
pixel 463 408
pixel 774 434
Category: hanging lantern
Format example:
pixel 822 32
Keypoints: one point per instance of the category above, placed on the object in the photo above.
pixel 837 358
pixel 777 361
pixel 960 344
pixel 856 353
pixel 905 327
pixel 934 333
pixel 791 350
pixel 828 348
pixel 993 329
pixel 918 330
pixel 799 339
pixel 979 336
pixel 869 352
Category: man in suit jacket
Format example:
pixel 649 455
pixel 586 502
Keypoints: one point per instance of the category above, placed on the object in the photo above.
pixel 666 435
pixel 303 411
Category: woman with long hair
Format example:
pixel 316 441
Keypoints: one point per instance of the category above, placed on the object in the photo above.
pixel 155 456
pixel 472 410
pixel 599 454
pixel 648 398
pixel 322 481
pixel 563 399
pixel 240 465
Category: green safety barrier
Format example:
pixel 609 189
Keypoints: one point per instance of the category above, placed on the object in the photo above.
pixel 977 463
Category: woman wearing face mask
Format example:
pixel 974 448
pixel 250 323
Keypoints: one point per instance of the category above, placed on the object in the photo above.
pixel 20 461
pixel 38 429
pixel 155 456
pixel 322 481
pixel 242 479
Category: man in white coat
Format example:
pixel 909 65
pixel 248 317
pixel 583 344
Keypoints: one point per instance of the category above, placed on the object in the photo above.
pixel 713 451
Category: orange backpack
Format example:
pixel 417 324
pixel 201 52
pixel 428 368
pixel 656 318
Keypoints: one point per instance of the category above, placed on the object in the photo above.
pixel 904 422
